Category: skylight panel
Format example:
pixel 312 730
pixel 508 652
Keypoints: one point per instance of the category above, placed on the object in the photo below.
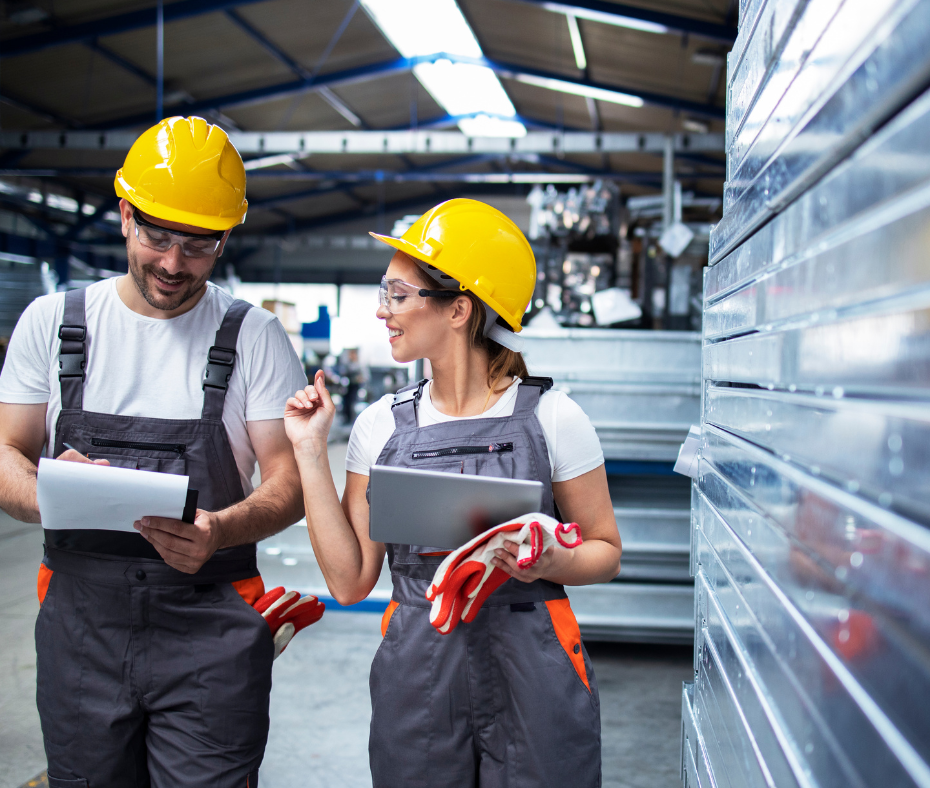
pixel 607 19
pixel 419 28
pixel 601 94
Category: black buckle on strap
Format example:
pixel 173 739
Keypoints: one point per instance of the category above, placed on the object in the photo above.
pixel 71 365
pixel 411 394
pixel 72 333
pixel 219 369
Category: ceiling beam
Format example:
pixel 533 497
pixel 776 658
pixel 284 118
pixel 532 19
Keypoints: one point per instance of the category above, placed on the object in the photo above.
pixel 113 25
pixel 673 22
pixel 449 143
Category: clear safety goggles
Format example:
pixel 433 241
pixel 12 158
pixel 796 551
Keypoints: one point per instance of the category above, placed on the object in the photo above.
pixel 159 239
pixel 398 296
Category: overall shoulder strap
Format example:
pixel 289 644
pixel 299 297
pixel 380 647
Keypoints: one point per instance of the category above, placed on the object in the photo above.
pixel 528 394
pixel 405 405
pixel 221 359
pixel 72 358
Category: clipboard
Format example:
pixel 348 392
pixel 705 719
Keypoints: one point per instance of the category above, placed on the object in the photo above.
pixel 190 506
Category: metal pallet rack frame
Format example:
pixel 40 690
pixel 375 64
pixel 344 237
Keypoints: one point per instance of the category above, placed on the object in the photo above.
pixel 810 515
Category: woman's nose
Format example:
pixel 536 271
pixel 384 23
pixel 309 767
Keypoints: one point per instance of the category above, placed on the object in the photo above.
pixel 383 313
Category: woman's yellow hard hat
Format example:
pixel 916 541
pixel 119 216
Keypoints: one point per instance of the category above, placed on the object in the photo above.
pixel 480 248
pixel 185 170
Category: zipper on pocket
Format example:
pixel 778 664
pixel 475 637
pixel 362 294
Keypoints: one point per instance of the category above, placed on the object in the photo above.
pixel 455 451
pixel 177 448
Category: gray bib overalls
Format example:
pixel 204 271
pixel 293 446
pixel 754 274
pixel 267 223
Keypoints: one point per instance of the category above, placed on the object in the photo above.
pixel 510 699
pixel 146 675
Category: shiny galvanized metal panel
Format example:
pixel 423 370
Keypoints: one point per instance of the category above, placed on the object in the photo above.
pixel 656 543
pixel 757 64
pixel 894 161
pixel 877 349
pixel 781 166
pixel 858 575
pixel 879 450
pixel 638 422
pixel 695 767
pixel 635 612
pixel 614 355
pixel 836 272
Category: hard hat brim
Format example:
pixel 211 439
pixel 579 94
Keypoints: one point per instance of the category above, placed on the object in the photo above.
pixel 413 251
pixel 168 214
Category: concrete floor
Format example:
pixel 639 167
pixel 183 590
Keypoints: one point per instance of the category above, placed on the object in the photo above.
pixel 319 706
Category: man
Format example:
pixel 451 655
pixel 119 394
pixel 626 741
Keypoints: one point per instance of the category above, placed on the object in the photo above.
pixel 153 668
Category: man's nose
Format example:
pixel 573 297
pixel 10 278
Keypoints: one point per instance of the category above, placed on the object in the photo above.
pixel 172 260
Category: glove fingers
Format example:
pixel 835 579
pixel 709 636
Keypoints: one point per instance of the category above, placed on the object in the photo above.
pixel 282 637
pixel 495 580
pixel 274 615
pixel 268 599
pixel 305 613
pixel 568 534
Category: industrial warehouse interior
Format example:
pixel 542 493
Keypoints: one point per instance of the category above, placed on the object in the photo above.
pixel 701 224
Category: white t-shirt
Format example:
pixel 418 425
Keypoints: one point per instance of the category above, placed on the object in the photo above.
pixel 571 441
pixel 145 366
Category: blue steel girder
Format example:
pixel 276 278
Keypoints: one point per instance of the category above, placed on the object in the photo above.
pixel 279 90
pixel 268 45
pixel 400 65
pixel 674 22
pixel 112 25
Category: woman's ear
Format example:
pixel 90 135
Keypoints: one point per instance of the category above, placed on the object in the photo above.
pixel 461 311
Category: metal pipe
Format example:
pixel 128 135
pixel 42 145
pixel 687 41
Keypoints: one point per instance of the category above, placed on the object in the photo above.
pixel 160 60
pixel 668 182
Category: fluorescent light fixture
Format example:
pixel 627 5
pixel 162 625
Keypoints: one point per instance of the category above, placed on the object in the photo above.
pixel 613 96
pixel 419 28
pixel 269 161
pixel 577 46
pixel 485 126
pixel 608 19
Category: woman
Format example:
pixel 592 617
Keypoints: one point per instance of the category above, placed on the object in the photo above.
pixel 508 699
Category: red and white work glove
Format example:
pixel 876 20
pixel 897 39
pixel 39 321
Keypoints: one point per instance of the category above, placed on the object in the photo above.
pixel 287 613
pixel 467 577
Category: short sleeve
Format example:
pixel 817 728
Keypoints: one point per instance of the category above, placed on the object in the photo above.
pixel 275 374
pixel 24 379
pixel 372 429
pixel 574 447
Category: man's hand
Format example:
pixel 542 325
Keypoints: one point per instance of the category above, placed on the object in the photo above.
pixel 70 455
pixel 184 546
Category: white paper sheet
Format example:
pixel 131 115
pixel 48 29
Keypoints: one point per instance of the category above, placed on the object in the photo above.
pixel 690 453
pixel 81 495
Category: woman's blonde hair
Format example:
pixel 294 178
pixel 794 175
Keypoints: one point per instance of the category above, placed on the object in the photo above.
pixel 502 362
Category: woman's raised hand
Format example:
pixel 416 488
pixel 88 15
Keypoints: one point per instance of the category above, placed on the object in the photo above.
pixel 309 414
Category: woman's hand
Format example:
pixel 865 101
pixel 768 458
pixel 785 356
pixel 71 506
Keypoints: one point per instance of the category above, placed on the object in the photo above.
pixel 309 414
pixel 550 562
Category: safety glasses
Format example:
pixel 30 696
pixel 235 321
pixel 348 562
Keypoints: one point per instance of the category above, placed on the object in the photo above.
pixel 159 239
pixel 398 296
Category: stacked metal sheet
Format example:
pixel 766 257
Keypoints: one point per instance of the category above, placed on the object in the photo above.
pixel 20 283
pixel 641 390
pixel 811 547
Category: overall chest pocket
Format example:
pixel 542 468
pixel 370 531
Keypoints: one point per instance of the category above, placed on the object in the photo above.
pixel 143 455
pixel 489 459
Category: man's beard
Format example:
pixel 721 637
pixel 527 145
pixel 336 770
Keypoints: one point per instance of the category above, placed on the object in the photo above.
pixel 166 302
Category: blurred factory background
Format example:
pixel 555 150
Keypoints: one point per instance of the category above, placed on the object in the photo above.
pixel 738 182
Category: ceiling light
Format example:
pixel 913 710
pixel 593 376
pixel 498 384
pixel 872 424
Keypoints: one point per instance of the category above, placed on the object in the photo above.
pixel 577 46
pixel 601 94
pixel 607 19
pixel 269 161
pixel 707 57
pixel 419 28
pixel 694 126
pixel 486 126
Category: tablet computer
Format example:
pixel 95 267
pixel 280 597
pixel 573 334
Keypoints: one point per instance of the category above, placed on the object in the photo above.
pixel 443 510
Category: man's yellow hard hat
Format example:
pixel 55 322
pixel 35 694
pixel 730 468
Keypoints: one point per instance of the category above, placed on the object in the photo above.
pixel 185 170
pixel 480 248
